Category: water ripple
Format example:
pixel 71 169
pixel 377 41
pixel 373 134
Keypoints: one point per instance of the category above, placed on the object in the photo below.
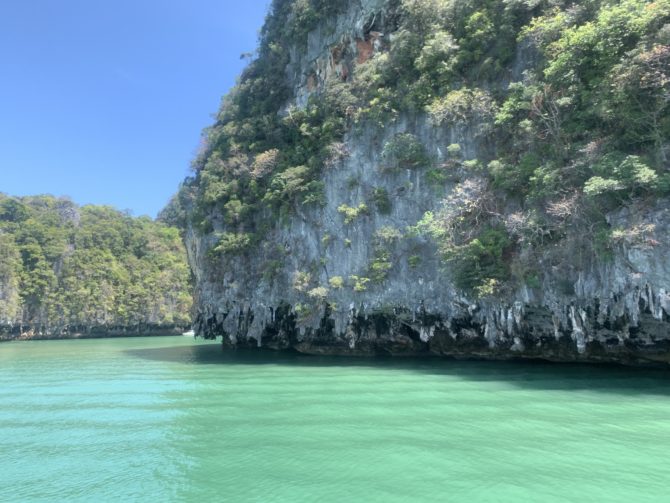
pixel 170 419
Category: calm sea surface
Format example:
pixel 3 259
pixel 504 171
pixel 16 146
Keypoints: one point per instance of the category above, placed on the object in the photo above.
pixel 173 419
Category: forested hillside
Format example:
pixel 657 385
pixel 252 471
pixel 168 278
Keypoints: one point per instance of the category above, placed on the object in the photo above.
pixel 68 270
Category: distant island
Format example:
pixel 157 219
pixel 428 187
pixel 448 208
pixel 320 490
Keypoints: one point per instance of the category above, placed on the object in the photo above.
pixel 92 271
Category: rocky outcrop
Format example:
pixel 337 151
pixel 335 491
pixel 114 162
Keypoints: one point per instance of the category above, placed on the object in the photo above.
pixel 307 287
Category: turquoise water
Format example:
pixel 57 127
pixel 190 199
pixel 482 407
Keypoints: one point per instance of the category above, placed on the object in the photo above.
pixel 170 419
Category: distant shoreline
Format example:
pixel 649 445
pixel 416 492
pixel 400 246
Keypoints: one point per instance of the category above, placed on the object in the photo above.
pixel 75 337
pixel 168 332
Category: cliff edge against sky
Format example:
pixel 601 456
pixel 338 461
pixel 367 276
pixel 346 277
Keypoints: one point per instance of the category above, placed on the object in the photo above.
pixel 455 177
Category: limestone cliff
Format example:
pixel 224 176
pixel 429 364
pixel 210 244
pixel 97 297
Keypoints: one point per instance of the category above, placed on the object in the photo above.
pixel 354 273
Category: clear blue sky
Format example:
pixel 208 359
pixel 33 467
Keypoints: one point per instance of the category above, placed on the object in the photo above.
pixel 104 100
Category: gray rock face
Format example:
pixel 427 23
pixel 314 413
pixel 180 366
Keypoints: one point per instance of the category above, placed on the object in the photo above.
pixel 334 44
pixel 304 287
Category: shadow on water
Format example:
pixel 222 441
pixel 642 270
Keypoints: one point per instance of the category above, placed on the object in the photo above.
pixel 522 373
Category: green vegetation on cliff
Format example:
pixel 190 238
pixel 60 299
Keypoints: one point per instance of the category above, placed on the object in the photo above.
pixel 583 133
pixel 572 99
pixel 256 160
pixel 66 267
